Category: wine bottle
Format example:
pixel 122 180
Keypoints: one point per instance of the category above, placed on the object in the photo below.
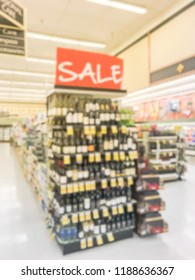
pixel 87 202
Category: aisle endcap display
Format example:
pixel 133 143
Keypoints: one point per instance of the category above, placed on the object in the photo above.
pixel 92 168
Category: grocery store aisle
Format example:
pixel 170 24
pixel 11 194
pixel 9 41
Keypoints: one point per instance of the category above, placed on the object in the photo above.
pixel 23 234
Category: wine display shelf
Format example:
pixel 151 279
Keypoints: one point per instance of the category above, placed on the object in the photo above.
pixel 81 245
pixel 92 163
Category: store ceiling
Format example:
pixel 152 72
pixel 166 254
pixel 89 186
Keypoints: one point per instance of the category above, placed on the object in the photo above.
pixel 75 19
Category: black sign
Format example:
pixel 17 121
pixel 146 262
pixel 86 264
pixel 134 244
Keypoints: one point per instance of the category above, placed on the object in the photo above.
pixel 12 41
pixel 12 11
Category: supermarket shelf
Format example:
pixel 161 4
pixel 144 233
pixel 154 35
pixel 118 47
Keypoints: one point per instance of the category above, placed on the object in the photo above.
pixel 163 162
pixel 169 176
pixel 162 138
pixel 164 151
pixel 76 245
pixel 108 179
pixel 190 153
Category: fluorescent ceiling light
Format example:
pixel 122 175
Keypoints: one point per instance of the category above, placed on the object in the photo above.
pixel 22 90
pixel 177 82
pixel 35 96
pixel 22 98
pixel 35 74
pixel 40 60
pixel 39 36
pixel 11 83
pixel 179 90
pixel 120 5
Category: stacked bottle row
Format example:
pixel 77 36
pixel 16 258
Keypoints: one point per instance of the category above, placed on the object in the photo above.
pixel 92 169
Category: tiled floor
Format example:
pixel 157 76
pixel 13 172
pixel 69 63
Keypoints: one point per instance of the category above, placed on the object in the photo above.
pixel 23 234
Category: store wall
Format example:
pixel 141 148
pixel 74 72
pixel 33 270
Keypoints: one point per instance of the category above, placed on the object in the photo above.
pixel 22 109
pixel 167 45
pixel 136 71
pixel 177 38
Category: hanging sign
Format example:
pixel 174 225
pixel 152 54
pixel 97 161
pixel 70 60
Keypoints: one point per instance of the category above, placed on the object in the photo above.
pixel 13 12
pixel 83 69
pixel 12 41
pixel 12 28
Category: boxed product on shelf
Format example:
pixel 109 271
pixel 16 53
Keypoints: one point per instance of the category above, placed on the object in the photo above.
pixel 151 224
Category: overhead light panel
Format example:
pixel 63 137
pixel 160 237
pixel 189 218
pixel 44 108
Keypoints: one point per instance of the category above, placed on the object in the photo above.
pixel 39 36
pixel 40 60
pixel 120 5
pixel 22 90
pixel 12 83
pixel 35 96
pixel 22 73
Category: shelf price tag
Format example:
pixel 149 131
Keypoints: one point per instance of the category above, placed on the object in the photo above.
pixel 104 184
pixel 108 156
pixel 79 158
pixel 95 214
pixel 122 156
pixel 63 189
pixel 81 187
pixel 130 181
pixel 116 156
pixel 65 220
pixel 110 237
pixel 90 242
pixel 87 185
pixel 129 207
pixel 93 130
pixel 76 188
pixel 69 130
pixel 91 157
pixel 114 211
pixel 98 157
pixel 86 130
pixel 131 155
pixel 81 217
pixel 113 183
pixel 93 185
pixel 105 212
pixel 87 216
pixel 103 130
pixel 114 129
pixel 83 244
pixel 69 188
pixel 120 182
pixel 124 129
pixel 75 218
pixel 99 240
pixel 120 209
pixel 66 160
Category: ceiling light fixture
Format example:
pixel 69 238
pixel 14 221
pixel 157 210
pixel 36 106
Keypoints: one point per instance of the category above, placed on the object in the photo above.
pixel 35 74
pixel 12 83
pixel 22 90
pixel 39 36
pixel 40 60
pixel 187 88
pixel 120 5
pixel 4 94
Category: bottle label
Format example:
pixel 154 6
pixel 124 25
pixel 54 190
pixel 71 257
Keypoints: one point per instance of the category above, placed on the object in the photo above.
pixel 103 228
pixel 96 230
pixel 87 203
pixel 68 208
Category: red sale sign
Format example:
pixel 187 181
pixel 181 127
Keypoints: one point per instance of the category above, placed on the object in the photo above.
pixel 88 70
